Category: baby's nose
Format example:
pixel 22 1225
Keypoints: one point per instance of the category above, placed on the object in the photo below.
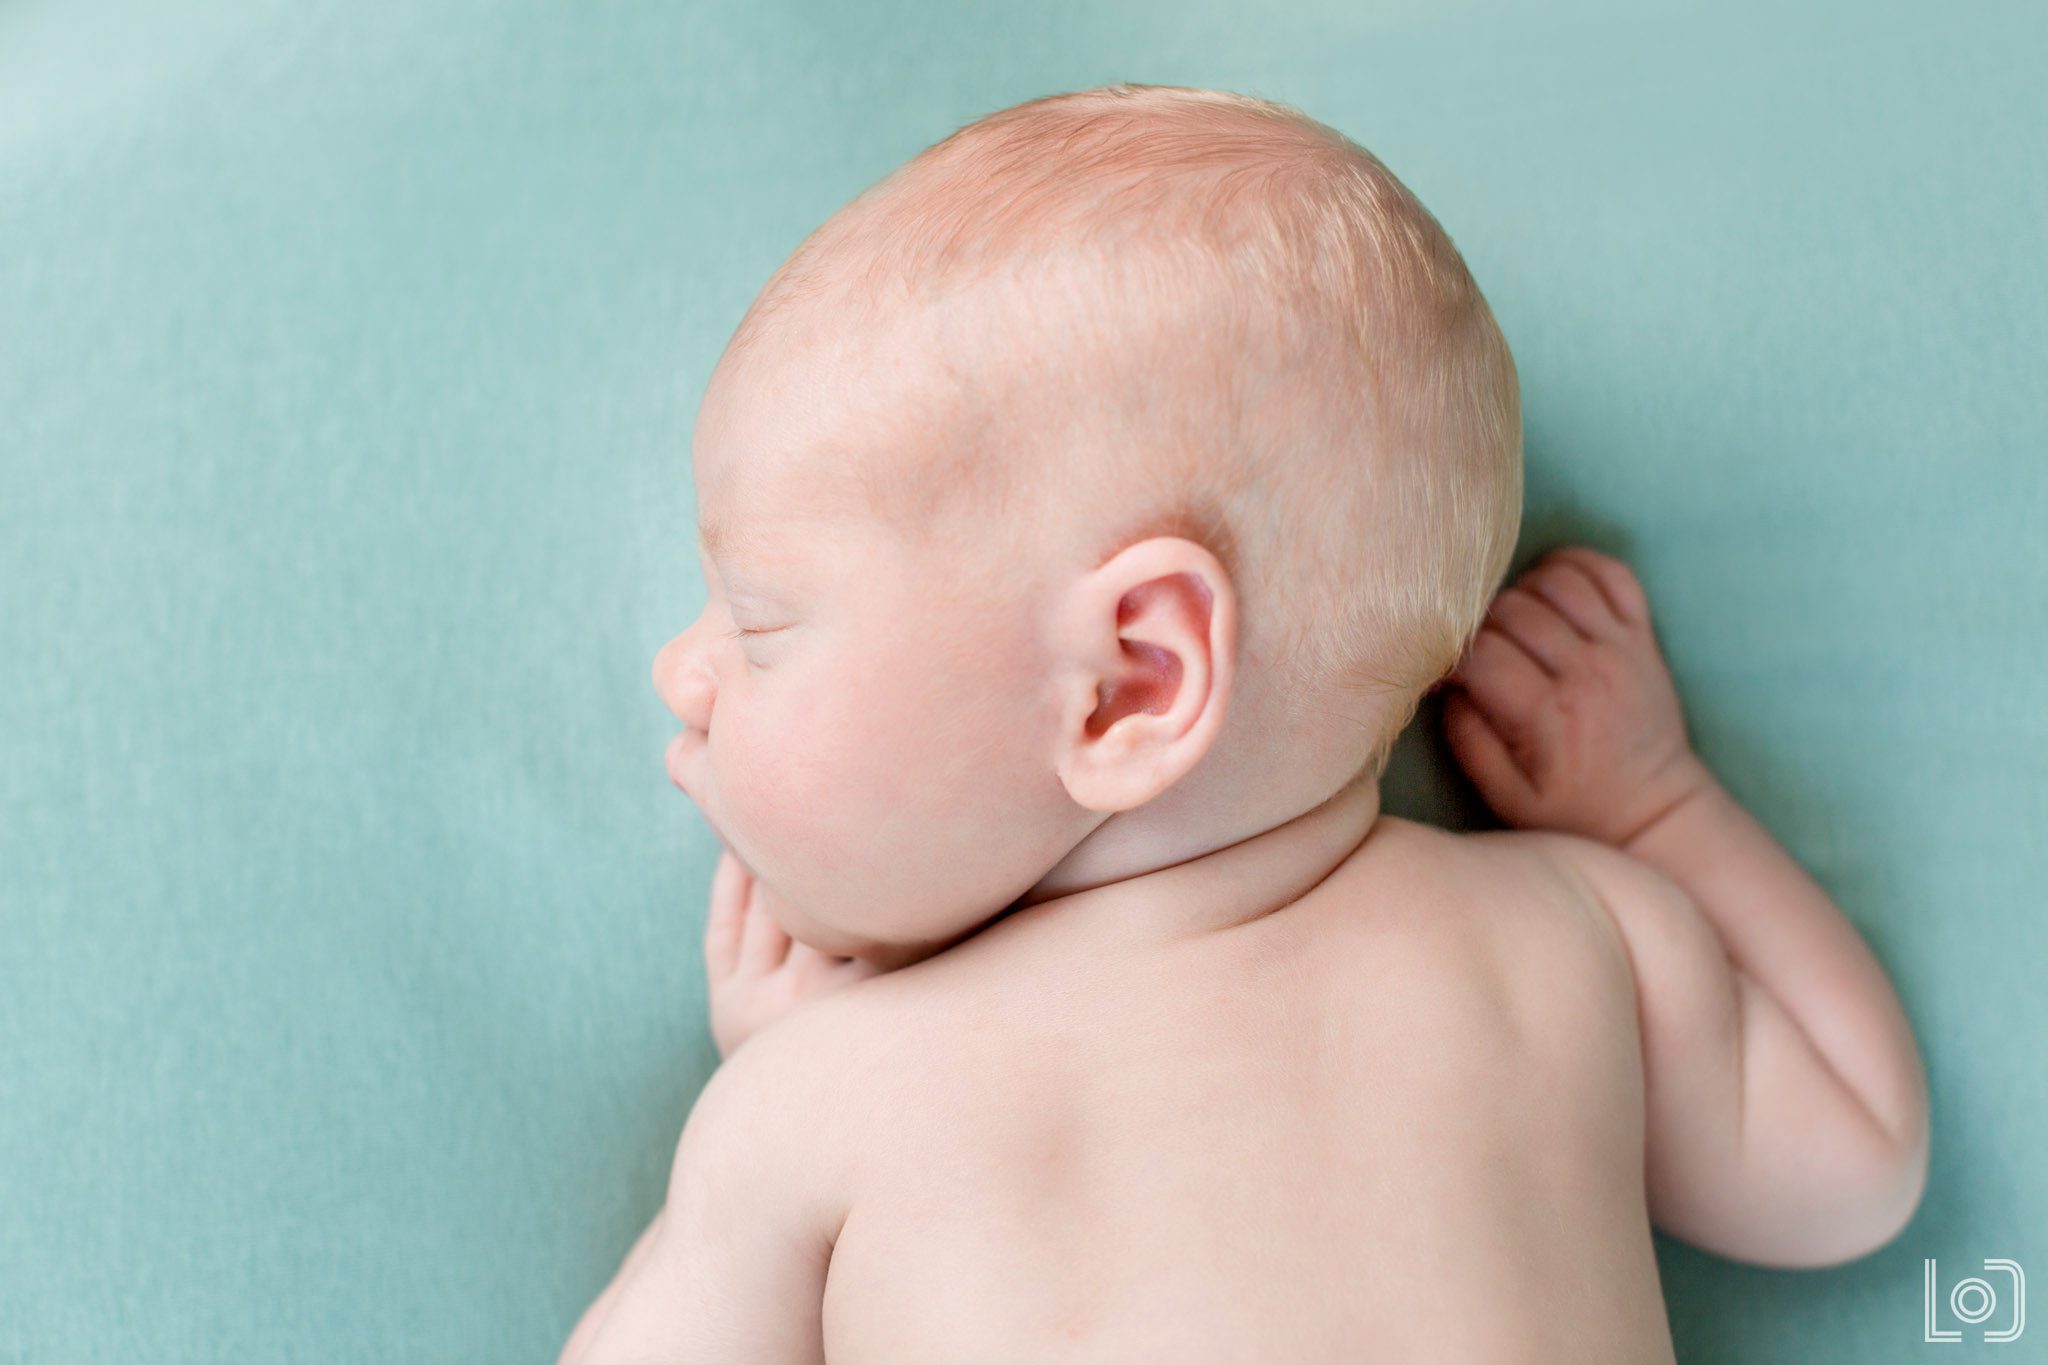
pixel 664 668
pixel 682 685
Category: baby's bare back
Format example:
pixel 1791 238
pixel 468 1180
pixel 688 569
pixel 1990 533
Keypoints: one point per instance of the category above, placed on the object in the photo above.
pixel 1401 1119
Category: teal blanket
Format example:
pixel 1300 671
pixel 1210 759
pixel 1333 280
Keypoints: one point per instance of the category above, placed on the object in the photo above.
pixel 350 997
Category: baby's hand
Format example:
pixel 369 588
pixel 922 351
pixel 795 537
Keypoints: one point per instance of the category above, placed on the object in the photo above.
pixel 756 972
pixel 1562 711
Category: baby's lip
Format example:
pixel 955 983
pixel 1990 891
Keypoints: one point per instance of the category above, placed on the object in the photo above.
pixel 673 757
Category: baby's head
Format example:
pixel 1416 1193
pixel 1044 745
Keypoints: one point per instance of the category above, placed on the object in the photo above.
pixel 1120 470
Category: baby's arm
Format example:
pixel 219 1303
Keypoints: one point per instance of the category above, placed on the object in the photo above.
pixel 592 1322
pixel 757 975
pixel 733 1267
pixel 1787 1110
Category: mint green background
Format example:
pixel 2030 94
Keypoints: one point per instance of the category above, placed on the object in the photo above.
pixel 350 999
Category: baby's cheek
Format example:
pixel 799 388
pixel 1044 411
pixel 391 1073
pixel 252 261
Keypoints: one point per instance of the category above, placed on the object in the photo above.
pixel 798 782
pixel 856 796
pixel 760 780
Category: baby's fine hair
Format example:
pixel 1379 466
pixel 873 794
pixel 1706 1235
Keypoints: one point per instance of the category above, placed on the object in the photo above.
pixel 1353 455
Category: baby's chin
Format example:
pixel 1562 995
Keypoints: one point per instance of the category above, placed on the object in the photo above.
pixel 810 931
pixel 824 934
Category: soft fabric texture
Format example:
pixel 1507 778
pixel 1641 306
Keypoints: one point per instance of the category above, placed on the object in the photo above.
pixel 350 991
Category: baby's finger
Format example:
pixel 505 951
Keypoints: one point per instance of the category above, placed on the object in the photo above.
pixel 1483 754
pixel 763 945
pixel 1565 584
pixel 1537 627
pixel 1616 580
pixel 1502 678
pixel 727 916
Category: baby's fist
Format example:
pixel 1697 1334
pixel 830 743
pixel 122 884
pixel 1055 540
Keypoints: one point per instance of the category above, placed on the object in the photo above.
pixel 1562 711
pixel 756 972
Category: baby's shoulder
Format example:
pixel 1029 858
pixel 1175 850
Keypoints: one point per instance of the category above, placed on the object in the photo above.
pixel 863 1050
pixel 1518 868
pixel 1509 893
pixel 861 1029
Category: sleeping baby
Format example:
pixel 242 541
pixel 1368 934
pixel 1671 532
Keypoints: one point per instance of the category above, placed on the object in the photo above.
pixel 1084 510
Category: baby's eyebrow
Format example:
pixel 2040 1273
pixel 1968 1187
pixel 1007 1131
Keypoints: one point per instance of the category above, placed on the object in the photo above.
pixel 720 540
pixel 736 552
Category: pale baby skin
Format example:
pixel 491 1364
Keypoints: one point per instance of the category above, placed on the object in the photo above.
pixel 1352 1089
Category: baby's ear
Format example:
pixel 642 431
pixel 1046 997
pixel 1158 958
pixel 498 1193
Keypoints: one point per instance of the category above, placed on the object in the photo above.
pixel 1148 645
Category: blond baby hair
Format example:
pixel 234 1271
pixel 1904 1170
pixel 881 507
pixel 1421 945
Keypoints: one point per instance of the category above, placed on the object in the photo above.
pixel 1322 396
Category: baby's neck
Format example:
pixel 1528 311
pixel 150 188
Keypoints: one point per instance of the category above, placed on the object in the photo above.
pixel 1229 884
